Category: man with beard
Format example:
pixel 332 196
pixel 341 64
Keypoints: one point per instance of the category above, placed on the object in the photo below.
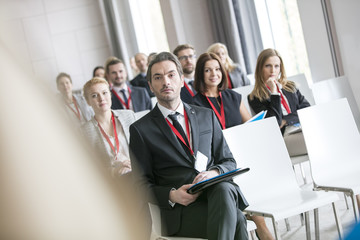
pixel 187 58
pixel 125 96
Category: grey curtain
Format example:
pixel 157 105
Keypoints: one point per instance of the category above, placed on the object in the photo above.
pixel 235 25
pixel 115 31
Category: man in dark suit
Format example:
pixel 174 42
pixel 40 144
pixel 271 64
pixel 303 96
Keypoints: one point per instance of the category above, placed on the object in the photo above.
pixel 177 145
pixel 125 96
pixel 141 61
pixel 187 58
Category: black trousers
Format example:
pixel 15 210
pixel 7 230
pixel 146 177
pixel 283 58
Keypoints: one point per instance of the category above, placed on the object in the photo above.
pixel 215 215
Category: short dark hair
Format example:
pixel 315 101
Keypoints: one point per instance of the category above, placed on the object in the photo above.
pixel 112 61
pixel 182 47
pixel 60 75
pixel 96 68
pixel 164 56
pixel 199 82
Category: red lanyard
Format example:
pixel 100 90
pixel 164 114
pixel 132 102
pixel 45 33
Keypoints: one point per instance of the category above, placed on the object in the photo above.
pixel 189 89
pixel 179 135
pixel 282 98
pixel 77 113
pixel 115 135
pixel 229 81
pixel 221 115
pixel 122 101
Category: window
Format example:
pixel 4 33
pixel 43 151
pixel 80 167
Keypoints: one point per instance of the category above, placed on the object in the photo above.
pixel 149 26
pixel 280 28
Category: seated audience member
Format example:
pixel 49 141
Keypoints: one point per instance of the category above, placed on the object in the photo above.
pixel 279 96
pixel 141 61
pixel 76 106
pixel 163 146
pixel 125 96
pixel 133 66
pixel 187 58
pixel 99 71
pixel 235 75
pixel 211 85
pixel 151 57
pixel 108 130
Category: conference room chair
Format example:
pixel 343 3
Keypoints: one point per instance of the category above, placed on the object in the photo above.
pixel 336 88
pixel 270 186
pixel 333 143
pixel 153 101
pixel 304 87
pixel 245 91
pixel 140 114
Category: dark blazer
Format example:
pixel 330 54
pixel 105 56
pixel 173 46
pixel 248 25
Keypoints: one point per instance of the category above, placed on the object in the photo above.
pixel 273 106
pixel 238 77
pixel 139 97
pixel 185 94
pixel 158 156
pixel 140 81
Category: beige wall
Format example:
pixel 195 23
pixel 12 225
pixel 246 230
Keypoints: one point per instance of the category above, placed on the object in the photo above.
pixel 48 37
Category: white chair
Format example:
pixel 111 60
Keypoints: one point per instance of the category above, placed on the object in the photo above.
pixel 245 91
pixel 336 88
pixel 156 226
pixel 140 114
pixel 153 101
pixel 303 86
pixel 333 143
pixel 270 186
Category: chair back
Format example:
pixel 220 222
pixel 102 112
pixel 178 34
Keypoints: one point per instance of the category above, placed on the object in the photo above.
pixel 245 91
pixel 153 101
pixel 336 88
pixel 303 86
pixel 140 114
pixel 332 139
pixel 260 146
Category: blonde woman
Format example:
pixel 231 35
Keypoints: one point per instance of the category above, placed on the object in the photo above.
pixel 279 96
pixel 108 130
pixel 235 75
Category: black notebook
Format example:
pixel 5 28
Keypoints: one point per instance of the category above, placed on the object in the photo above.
pixel 211 181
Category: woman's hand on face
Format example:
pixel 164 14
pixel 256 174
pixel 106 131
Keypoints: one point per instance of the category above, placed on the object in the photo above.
pixel 271 83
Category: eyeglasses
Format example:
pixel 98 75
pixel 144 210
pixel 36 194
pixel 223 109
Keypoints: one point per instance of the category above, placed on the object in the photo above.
pixel 184 58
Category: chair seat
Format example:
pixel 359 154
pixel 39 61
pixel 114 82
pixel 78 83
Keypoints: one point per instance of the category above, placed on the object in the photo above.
pixel 290 204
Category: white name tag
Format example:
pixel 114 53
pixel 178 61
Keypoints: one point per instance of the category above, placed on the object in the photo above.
pixel 201 162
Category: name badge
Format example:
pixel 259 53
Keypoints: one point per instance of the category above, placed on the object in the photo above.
pixel 201 162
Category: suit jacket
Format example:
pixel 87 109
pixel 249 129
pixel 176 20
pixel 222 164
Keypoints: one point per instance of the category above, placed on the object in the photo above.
pixel 273 106
pixel 93 134
pixel 139 98
pixel 140 81
pixel 161 160
pixel 238 77
pixel 185 94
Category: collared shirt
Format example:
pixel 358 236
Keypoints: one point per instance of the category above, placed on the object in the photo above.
pixel 181 118
pixel 118 91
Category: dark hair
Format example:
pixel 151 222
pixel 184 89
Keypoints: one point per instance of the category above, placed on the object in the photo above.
pixel 96 68
pixel 60 75
pixel 164 56
pixel 182 47
pixel 112 61
pixel 199 82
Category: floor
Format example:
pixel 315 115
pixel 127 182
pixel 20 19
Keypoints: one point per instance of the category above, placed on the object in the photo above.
pixel 328 230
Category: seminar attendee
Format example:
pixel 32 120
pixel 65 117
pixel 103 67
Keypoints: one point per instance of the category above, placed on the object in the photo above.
pixel 177 145
pixel 99 71
pixel 187 58
pixel 108 130
pixel 235 75
pixel 141 61
pixel 279 96
pixel 211 85
pixel 125 96
pixel 76 106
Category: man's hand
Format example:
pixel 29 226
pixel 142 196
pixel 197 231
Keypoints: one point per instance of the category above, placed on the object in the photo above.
pixel 180 195
pixel 206 175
